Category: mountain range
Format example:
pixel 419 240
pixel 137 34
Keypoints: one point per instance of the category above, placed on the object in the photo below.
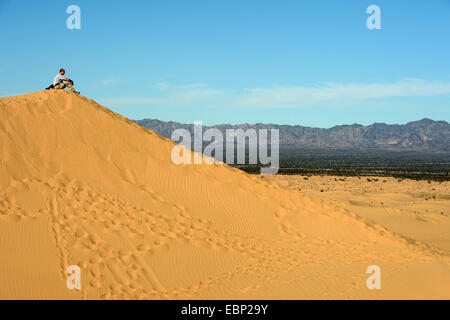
pixel 424 135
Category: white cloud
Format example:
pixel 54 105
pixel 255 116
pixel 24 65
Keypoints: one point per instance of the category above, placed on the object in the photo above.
pixel 165 86
pixel 171 94
pixel 327 94
pixel 337 93
pixel 108 82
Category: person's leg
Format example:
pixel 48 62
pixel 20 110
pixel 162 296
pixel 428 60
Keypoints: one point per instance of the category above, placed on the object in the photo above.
pixel 70 86
pixel 59 86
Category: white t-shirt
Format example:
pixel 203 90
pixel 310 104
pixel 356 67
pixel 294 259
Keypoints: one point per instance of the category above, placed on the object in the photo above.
pixel 58 79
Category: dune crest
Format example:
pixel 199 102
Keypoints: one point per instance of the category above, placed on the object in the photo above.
pixel 82 185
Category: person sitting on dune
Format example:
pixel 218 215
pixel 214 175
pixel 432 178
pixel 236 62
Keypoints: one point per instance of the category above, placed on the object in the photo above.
pixel 61 82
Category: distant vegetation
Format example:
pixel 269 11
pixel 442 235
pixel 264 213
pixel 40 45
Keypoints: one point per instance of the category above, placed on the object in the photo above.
pixel 403 165
pixel 417 150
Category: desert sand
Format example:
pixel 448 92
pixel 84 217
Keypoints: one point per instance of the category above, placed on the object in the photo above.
pixel 417 210
pixel 81 185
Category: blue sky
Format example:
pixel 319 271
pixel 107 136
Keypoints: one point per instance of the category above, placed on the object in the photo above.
pixel 311 63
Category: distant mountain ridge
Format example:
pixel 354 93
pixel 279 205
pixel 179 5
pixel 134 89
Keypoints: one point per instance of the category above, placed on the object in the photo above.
pixel 423 135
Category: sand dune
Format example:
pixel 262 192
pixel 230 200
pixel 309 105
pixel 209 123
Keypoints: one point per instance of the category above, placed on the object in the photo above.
pixel 81 185
pixel 417 210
